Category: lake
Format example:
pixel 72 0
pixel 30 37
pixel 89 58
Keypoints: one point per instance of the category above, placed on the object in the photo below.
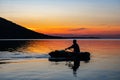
pixel 28 60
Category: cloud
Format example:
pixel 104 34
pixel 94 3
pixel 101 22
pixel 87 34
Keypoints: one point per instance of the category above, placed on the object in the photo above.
pixel 77 29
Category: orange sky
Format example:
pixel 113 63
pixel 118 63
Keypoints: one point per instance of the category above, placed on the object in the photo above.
pixel 70 29
pixel 65 17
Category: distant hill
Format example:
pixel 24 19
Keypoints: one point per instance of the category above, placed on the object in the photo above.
pixel 10 30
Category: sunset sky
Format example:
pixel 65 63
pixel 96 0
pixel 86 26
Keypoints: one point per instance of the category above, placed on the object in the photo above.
pixel 65 17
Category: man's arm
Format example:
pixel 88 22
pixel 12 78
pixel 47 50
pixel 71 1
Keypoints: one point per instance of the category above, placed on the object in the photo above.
pixel 70 47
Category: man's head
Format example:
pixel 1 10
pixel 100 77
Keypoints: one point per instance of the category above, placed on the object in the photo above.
pixel 74 41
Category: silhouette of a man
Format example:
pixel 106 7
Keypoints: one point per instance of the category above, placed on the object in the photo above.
pixel 75 46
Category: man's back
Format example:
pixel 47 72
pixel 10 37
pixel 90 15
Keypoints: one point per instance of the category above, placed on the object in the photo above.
pixel 76 47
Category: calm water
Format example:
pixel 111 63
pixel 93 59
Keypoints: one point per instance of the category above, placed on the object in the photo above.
pixel 28 60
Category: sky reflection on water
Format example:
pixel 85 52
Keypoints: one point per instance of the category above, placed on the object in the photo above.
pixel 104 63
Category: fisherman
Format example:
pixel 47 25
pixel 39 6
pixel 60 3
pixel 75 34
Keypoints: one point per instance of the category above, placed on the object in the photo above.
pixel 75 46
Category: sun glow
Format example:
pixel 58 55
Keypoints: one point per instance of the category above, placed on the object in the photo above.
pixel 62 17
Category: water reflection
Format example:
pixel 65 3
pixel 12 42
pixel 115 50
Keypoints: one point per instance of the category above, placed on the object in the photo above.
pixel 46 46
pixel 104 65
pixel 72 64
pixel 12 45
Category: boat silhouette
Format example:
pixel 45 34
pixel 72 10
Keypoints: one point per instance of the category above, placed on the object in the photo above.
pixel 62 55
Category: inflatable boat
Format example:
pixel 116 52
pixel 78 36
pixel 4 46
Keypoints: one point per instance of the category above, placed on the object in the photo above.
pixel 62 55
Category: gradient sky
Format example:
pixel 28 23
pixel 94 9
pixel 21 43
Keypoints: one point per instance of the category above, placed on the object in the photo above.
pixel 65 17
